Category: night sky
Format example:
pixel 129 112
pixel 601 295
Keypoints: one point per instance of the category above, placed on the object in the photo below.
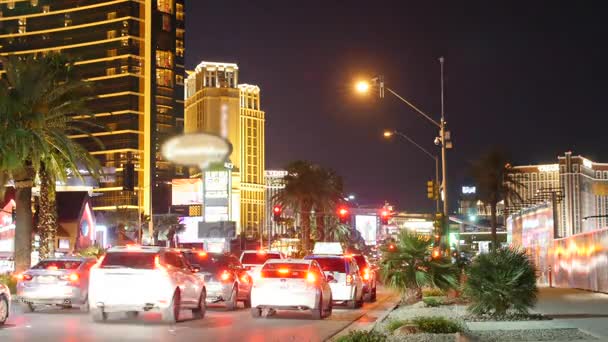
pixel 529 77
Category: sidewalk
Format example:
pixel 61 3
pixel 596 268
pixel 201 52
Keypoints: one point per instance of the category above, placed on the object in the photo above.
pixel 585 310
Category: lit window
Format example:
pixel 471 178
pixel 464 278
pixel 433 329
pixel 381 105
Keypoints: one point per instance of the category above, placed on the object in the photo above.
pixel 111 15
pixel 165 6
pixel 111 34
pixel 111 52
pixel 34 3
pixel 110 71
pixel 124 42
pixel 180 33
pixel 67 21
pixel 124 69
pixel 164 59
pixel 179 12
pixel 164 77
pixel 46 9
pixel 10 5
pixel 179 79
pixel 166 23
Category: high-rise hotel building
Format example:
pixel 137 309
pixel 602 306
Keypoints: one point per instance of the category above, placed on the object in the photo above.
pixel 216 103
pixel 133 53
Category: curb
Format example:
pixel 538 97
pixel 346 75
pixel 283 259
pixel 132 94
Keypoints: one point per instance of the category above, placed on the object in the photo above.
pixel 345 330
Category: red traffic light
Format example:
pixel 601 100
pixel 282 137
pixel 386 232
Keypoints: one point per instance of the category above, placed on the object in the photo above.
pixel 277 209
pixel 343 212
pixel 384 213
pixel 391 247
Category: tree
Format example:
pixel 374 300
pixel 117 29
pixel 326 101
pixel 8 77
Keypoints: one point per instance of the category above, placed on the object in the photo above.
pixel 168 225
pixel 493 177
pixel 33 107
pixel 408 266
pixel 308 187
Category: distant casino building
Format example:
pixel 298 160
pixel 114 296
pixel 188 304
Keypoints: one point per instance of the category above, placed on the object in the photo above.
pixel 275 183
pixel 133 53
pixel 216 103
pixel 580 187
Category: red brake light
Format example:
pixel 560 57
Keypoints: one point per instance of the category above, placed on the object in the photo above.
pixel 23 277
pixel 349 279
pixel 261 251
pixel 283 271
pixel 245 278
pixel 310 277
pixel 52 268
pixel 366 273
pixel 73 277
pixel 202 254
pixel 225 276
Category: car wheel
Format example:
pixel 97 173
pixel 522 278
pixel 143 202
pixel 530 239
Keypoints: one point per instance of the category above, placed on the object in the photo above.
pixel 171 314
pixel 318 312
pixel 233 302
pixel 247 301
pixel 329 308
pixel 352 304
pixel 372 297
pixel 201 309
pixel 256 313
pixel 3 309
pixel 359 303
pixel 98 315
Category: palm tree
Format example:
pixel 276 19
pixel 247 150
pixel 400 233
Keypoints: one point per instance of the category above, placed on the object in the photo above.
pixel 493 177
pixel 308 187
pixel 35 101
pixel 328 196
pixel 408 267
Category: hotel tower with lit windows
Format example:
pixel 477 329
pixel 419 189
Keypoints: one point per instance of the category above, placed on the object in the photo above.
pixel 132 51
pixel 216 103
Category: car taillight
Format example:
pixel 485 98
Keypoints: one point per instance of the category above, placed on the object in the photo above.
pixel 283 271
pixel 349 279
pixel 23 277
pixel 225 276
pixel 311 278
pixel 245 278
pixel 366 274
pixel 158 265
pixel 72 277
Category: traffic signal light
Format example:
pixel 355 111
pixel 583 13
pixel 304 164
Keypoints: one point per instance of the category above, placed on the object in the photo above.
pixel 438 228
pixel 128 177
pixel 14 215
pixel 432 190
pixel 343 215
pixel 384 216
pixel 391 247
pixel 276 213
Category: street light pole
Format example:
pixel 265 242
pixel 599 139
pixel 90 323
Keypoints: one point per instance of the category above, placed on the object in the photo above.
pixel 444 182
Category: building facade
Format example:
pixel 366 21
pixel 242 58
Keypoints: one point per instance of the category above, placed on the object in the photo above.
pixel 275 183
pixel 216 103
pixel 133 54
pixel 581 188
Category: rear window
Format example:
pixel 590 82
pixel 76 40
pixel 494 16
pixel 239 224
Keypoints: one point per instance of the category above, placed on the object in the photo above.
pixel 258 258
pixel 332 264
pixel 207 262
pixel 58 265
pixel 361 262
pixel 287 270
pixel 129 260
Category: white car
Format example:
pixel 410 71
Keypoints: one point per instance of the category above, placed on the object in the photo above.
pixel 133 279
pixel 5 303
pixel 347 285
pixel 253 260
pixel 289 284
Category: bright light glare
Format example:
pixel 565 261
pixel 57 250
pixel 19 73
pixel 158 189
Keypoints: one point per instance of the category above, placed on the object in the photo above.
pixel 388 134
pixel 362 87
pixel 283 271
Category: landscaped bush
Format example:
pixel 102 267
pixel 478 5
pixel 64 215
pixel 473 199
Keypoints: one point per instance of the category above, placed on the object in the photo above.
pixel 433 301
pixel 395 324
pixel 438 325
pixel 501 281
pixel 92 251
pixel 433 292
pixel 10 281
pixel 363 336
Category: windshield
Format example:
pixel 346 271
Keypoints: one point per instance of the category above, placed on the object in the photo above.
pixel 58 265
pixel 332 264
pixel 286 270
pixel 129 260
pixel 255 258
pixel 207 262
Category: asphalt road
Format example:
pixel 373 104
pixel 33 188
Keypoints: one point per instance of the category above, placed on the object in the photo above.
pixel 51 324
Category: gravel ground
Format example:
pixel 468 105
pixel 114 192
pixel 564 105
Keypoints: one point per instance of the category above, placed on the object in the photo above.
pixel 564 334
pixel 423 338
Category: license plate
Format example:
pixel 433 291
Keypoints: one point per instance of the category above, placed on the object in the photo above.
pixel 46 279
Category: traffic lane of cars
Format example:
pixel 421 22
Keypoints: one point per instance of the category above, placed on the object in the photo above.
pixel 218 325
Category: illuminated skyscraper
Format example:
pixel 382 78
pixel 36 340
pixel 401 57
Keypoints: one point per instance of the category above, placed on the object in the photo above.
pixel 133 53
pixel 216 103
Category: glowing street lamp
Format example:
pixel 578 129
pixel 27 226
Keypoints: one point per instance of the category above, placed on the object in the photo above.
pixel 362 87
pixel 388 134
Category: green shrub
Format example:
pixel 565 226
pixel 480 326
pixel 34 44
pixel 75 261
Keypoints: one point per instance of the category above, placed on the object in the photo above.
pixel 433 301
pixel 10 281
pixel 433 292
pixel 438 325
pixel 501 281
pixel 92 251
pixel 363 336
pixel 395 324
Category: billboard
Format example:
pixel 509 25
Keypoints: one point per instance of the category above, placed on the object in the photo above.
pixel 187 191
pixel 190 233
pixel 224 229
pixel 367 226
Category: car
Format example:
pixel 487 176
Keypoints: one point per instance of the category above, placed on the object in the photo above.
pixel 5 303
pixel 253 260
pixel 136 279
pixel 291 284
pixel 369 276
pixel 60 281
pixel 225 277
pixel 346 282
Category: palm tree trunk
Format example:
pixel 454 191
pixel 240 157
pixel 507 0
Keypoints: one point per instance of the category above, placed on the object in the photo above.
pixel 493 224
pixel 47 217
pixel 306 228
pixel 320 227
pixel 23 228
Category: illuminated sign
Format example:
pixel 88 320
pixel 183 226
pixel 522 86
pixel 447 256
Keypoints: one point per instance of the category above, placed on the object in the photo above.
pixel 275 173
pixel 469 190
pixel 186 191
pixel 367 225
pixel 199 149
pixel 548 168
pixel 587 163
